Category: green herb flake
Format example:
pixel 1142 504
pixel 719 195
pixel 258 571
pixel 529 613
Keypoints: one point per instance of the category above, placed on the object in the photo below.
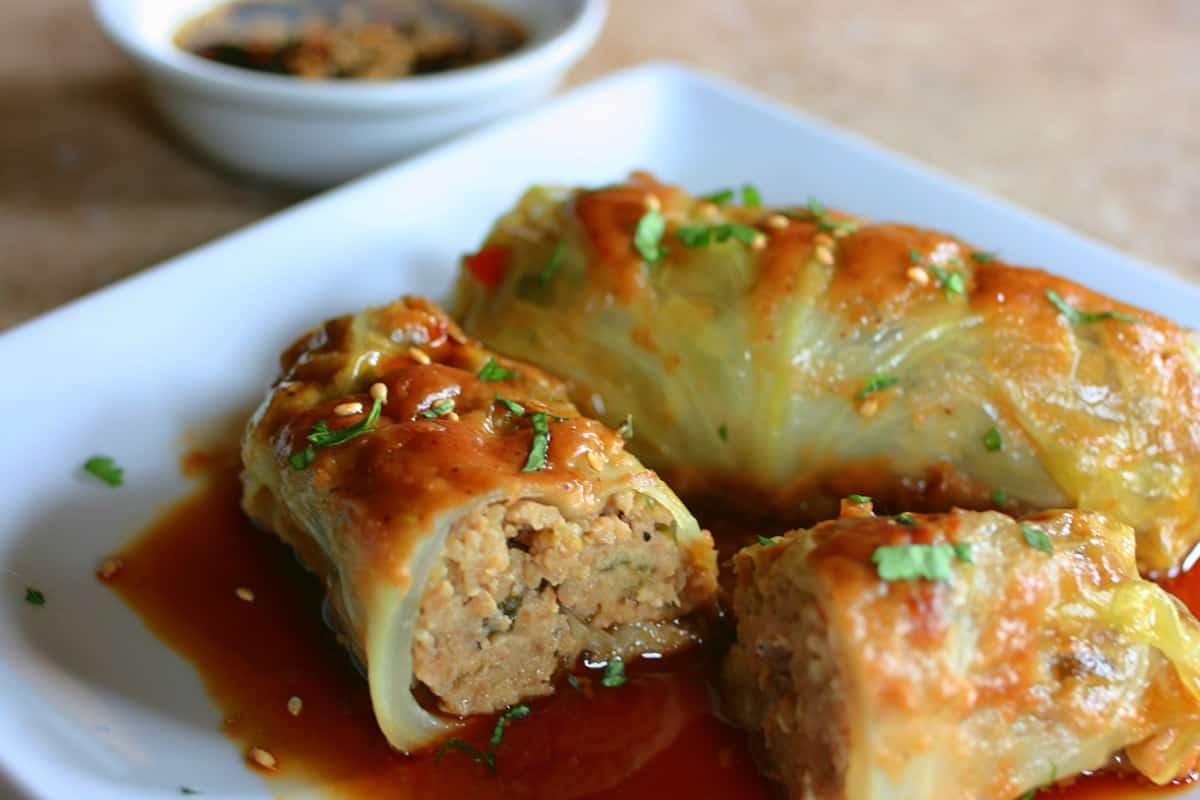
pixel 614 673
pixel 765 540
pixel 750 196
pixel 511 405
pixel 188 790
pixel 982 257
pixel 625 429
pixel 492 372
pixel 439 409
pixel 910 562
pixel 826 223
pixel 322 435
pixel 720 197
pixel 858 498
pixel 952 282
pixel 876 383
pixel 723 432
pixel 540 421
pixel 487 759
pixel 573 682
pixel 1077 317
pixel 962 551
pixel 992 440
pixel 34 597
pixel 1037 538
pixel 906 519
pixel 704 235
pixel 999 498
pixel 551 268
pixel 515 713
pixel 106 469
pixel 914 256
pixel 647 238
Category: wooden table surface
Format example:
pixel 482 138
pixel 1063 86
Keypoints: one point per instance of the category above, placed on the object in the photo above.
pixel 1085 110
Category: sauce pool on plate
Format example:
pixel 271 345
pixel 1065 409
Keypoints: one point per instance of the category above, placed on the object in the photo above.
pixel 352 39
pixel 236 603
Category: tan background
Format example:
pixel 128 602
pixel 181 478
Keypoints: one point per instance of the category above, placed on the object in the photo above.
pixel 1085 110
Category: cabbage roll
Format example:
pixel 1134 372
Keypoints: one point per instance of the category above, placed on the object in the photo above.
pixel 969 653
pixel 474 533
pixel 785 357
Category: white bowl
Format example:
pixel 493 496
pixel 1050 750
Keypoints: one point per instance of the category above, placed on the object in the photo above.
pixel 316 133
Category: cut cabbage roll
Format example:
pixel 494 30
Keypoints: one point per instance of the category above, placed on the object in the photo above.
pixel 473 532
pixel 787 357
pixel 969 653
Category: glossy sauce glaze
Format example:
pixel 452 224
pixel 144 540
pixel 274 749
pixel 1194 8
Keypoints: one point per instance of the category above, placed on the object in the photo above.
pixel 653 737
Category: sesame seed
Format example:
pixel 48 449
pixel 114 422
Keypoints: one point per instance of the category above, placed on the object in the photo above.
pixel 295 706
pixel 452 416
pixel 823 240
pixel 918 275
pixel 776 221
pixel 759 242
pixel 262 758
pixel 379 392
pixel 346 409
pixel 456 335
pixel 652 202
pixel 110 567
pixel 245 594
pixel 418 355
pixel 868 407
pixel 824 255
pixel 595 460
pixel 708 210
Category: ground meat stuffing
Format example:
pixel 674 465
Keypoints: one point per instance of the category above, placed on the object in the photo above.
pixel 520 592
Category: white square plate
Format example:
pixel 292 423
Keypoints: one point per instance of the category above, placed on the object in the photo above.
pixel 91 704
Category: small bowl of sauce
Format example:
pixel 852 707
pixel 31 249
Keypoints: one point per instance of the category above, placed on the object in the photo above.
pixel 314 92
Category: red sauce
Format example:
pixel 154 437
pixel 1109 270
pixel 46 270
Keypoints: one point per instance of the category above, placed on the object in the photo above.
pixel 654 737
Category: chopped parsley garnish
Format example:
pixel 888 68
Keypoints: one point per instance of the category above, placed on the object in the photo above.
pixel 765 540
pixel 34 597
pixel 703 235
pixel 516 712
pixel 953 282
pixel 492 371
pixel 982 257
pixel 1077 317
pixel 540 421
pixel 647 238
pixel 511 405
pixel 614 673
pixel 720 197
pixel 322 436
pixel 876 383
pixel 999 497
pixel 552 266
pixel 910 562
pixel 439 409
pixel 1036 538
pixel 487 758
pixel 723 432
pixel 858 498
pixel 915 256
pixel 750 196
pixel 625 429
pixel 573 682
pixel 106 469
pixel 906 519
pixel 826 223
pixel 992 440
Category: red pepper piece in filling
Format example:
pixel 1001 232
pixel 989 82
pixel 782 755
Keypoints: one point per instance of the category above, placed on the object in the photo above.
pixel 488 265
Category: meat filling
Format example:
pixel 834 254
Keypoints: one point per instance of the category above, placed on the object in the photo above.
pixel 521 592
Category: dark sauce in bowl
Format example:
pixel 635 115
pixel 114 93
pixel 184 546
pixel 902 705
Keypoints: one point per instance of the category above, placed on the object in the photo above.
pixel 352 39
